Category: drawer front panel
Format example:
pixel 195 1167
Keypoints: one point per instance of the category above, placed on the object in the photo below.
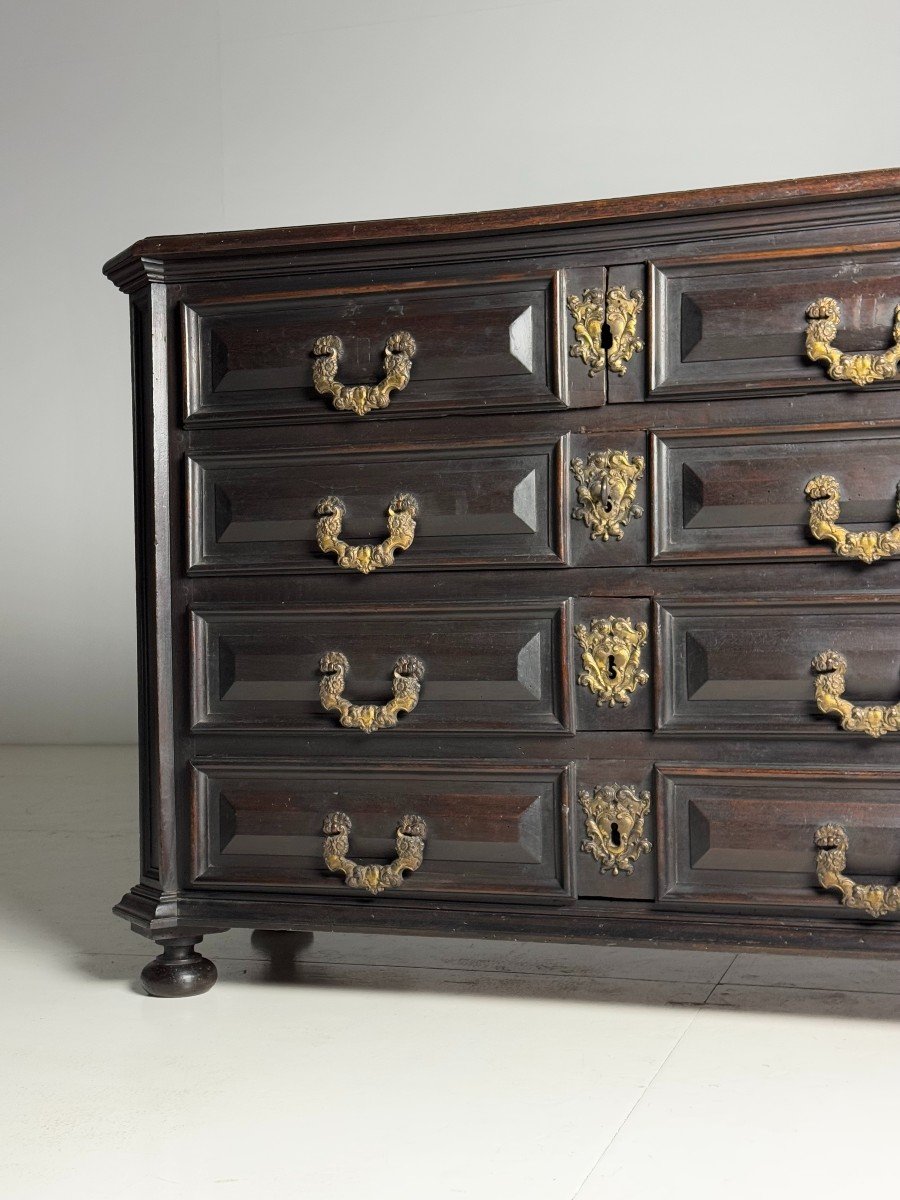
pixel 487 505
pixel 735 326
pixel 486 345
pixel 747 667
pixel 732 836
pixel 487 668
pixel 721 497
pixel 489 831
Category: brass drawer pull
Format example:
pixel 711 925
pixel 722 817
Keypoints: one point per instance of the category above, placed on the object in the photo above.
pixel 362 397
pixel 824 316
pixel 401 522
pixel 614 818
pixel 825 493
pixel 411 834
pixel 408 673
pixel 873 719
pixel 832 844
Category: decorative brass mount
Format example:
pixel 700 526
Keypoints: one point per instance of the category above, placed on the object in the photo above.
pixel 825 493
pixel 607 486
pixel 408 674
pixel 611 657
pixel 614 822
pixel 362 397
pixel 824 316
pixel 874 719
pixel 617 311
pixel 411 834
pixel 401 524
pixel 832 844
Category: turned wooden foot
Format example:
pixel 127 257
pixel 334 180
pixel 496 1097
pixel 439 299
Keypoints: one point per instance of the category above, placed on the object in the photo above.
pixel 179 971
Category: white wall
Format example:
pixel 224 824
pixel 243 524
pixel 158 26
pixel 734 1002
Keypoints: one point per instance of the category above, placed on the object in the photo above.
pixel 124 118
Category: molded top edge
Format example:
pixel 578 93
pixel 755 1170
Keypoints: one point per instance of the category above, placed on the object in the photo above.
pixel 121 269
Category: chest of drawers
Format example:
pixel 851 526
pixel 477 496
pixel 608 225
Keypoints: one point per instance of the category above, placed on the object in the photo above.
pixel 527 574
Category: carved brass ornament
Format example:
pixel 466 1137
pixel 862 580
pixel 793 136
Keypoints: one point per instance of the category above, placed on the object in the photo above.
pixel 411 834
pixel 874 899
pixel 588 313
pixel 408 674
pixel 401 523
pixel 362 398
pixel 824 316
pixel 607 486
pixel 825 493
pixel 611 657
pixel 617 311
pixel 874 719
pixel 614 822
pixel 621 317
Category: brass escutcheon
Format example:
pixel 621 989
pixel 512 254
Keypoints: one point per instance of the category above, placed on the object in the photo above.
pixel 614 817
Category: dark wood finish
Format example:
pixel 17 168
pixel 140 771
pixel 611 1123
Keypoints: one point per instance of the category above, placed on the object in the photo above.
pixel 488 504
pixel 179 971
pixel 730 325
pixel 745 668
pixel 493 831
pixel 721 496
pixel 489 668
pixel 747 836
pixel 234 449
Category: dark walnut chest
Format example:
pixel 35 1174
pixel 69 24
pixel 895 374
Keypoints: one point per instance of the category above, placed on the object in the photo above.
pixel 529 574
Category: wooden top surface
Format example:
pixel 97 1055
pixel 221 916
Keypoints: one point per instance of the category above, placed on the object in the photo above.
pixel 509 220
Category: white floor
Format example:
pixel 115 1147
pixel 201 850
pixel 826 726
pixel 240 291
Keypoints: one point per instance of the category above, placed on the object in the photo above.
pixel 346 1066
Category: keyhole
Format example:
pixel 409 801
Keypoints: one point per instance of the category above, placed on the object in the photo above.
pixel 605 501
pixel 614 836
pixel 611 669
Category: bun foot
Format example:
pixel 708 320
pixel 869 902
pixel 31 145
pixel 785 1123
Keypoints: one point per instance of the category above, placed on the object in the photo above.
pixel 179 971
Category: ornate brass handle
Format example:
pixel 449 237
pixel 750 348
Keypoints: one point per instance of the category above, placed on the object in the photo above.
pixel 825 493
pixel 873 719
pixel 824 316
pixel 832 844
pixel 410 851
pixel 408 673
pixel 401 523
pixel 362 397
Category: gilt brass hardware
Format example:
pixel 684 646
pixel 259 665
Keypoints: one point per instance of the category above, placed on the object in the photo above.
pixel 621 317
pixel 874 899
pixel 408 674
pixel 614 822
pixel 607 486
pixel 825 493
pixel 411 834
pixel 874 719
pixel 401 522
pixel 824 316
pixel 611 657
pixel 617 311
pixel 588 314
pixel 362 397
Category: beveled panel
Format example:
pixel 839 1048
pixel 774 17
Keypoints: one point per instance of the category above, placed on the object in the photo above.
pixel 480 344
pixel 745 666
pixel 488 667
pixel 492 831
pixel 488 503
pixel 730 497
pixel 747 836
pixel 732 326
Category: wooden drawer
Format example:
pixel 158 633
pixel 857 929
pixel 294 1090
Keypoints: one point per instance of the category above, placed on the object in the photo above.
pixel 731 497
pixel 484 345
pixel 735 325
pixel 490 831
pixel 487 667
pixel 748 837
pixel 746 667
pixel 486 503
